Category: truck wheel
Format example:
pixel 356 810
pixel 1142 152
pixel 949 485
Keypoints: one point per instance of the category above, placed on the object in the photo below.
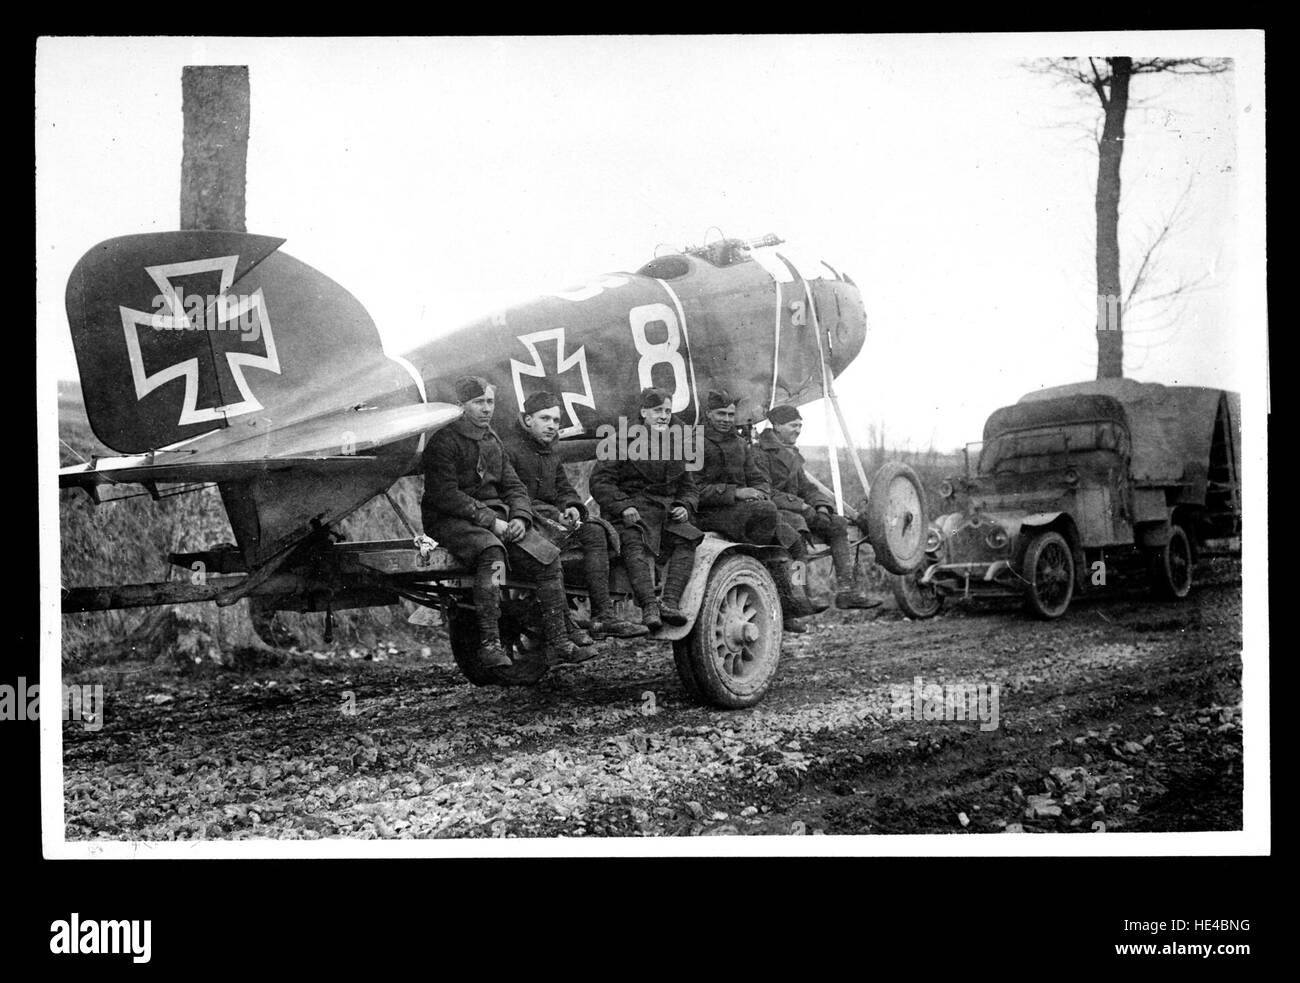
pixel 1049 575
pixel 915 599
pixel 895 518
pixel 462 632
pixel 731 656
pixel 1170 566
pixel 685 672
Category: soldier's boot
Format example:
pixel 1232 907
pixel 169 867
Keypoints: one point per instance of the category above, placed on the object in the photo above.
pixel 651 620
pixel 640 572
pixel 675 577
pixel 555 626
pixel 792 606
pixel 607 624
pixel 781 575
pixel 802 596
pixel 803 599
pixel 850 591
pixel 577 635
pixel 595 564
pixel 527 668
pixel 487 607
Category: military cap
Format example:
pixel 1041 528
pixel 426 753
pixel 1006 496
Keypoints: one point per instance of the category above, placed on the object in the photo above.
pixel 718 398
pixel 471 387
pixel 783 413
pixel 654 396
pixel 540 401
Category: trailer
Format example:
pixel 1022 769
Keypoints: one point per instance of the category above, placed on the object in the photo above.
pixel 726 655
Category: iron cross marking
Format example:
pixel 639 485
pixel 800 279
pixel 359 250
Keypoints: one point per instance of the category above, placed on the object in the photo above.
pixel 201 333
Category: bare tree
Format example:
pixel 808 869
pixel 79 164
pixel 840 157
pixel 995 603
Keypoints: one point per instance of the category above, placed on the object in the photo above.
pixel 1108 79
pixel 216 110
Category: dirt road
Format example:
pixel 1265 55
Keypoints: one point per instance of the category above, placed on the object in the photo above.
pixel 1124 715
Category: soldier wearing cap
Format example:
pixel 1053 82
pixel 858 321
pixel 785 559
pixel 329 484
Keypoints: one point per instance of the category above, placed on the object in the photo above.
pixel 735 501
pixel 475 505
pixel 650 502
pixel 806 507
pixel 530 445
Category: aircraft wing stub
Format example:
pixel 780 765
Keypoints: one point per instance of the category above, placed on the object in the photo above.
pixel 336 440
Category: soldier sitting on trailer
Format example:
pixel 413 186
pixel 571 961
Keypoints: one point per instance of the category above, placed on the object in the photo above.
pixel 735 502
pixel 806 507
pixel 530 445
pixel 650 503
pixel 475 505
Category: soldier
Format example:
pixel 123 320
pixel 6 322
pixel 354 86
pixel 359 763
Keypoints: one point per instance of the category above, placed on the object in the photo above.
pixel 475 505
pixel 806 507
pixel 530 445
pixel 650 502
pixel 735 502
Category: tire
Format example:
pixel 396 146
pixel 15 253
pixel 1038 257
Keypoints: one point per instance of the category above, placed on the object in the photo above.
pixel 1048 571
pixel 895 518
pixel 914 599
pixel 1170 566
pixel 685 671
pixel 730 658
pixel 462 632
pixel 265 627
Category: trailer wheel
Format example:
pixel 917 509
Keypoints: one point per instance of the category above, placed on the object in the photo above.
pixel 895 518
pixel 462 631
pixel 262 615
pixel 1170 566
pixel 731 656
pixel 1049 575
pixel 915 599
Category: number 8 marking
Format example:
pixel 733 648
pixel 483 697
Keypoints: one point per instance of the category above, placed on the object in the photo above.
pixel 660 353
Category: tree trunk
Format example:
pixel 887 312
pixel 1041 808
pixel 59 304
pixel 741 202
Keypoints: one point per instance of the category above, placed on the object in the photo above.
pixel 214 161
pixel 214 168
pixel 1110 151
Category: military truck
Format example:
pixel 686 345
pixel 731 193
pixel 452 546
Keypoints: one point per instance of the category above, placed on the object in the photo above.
pixel 1072 481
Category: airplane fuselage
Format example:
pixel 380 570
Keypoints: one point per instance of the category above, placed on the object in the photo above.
pixel 682 323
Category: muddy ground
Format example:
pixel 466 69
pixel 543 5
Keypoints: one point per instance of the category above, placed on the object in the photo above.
pixel 1122 716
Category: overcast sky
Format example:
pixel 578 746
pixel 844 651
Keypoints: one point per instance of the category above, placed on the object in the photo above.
pixel 440 179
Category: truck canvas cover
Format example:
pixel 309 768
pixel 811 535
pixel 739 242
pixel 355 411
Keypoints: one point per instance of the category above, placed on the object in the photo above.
pixel 1174 429
pixel 1062 412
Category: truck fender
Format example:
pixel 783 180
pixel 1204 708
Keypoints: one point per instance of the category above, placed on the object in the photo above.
pixel 1153 535
pixel 1067 528
pixel 707 552
pixel 1040 518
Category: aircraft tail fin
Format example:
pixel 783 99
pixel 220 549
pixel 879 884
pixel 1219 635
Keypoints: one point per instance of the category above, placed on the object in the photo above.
pixel 180 334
